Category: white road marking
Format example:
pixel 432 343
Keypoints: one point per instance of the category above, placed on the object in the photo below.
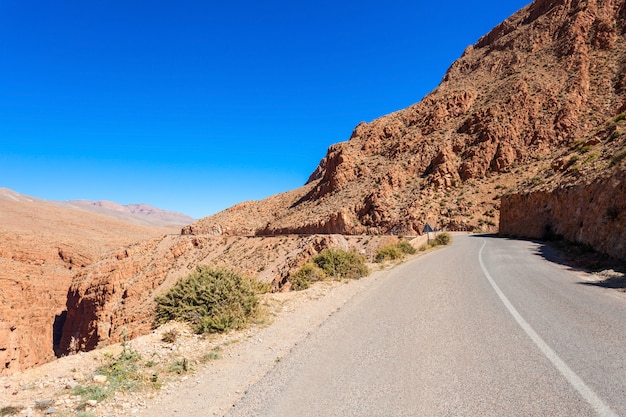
pixel 575 381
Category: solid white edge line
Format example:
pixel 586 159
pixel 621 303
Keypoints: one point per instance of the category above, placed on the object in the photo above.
pixel 575 381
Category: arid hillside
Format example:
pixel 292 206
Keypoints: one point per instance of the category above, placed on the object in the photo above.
pixel 115 296
pixel 535 84
pixel 515 104
pixel 41 247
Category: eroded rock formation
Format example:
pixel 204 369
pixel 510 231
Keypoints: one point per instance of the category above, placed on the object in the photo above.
pixel 42 246
pixel 537 82
pixel 114 297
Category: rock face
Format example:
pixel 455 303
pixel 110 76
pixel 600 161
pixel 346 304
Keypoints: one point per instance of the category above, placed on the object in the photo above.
pixel 41 247
pixel 581 196
pixel 115 296
pixel 534 84
pixel 594 214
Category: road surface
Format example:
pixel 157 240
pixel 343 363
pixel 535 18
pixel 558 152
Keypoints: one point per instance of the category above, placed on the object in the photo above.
pixel 485 327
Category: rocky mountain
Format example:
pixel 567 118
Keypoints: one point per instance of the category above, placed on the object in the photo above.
pixel 135 213
pixel 510 114
pixel 42 246
pixel 533 85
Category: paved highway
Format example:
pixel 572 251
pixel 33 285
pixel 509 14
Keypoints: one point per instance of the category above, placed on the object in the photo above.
pixel 485 327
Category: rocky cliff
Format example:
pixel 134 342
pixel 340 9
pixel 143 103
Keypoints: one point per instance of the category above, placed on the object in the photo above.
pixel 581 195
pixel 114 297
pixel 41 247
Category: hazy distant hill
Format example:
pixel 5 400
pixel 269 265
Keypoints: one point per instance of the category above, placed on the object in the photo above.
pixel 134 213
pixel 137 213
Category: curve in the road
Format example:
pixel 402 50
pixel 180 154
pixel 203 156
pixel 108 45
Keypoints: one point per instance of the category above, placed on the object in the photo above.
pixel 577 383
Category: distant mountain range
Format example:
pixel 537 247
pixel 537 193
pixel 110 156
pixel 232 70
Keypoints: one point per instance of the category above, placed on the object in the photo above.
pixel 138 213
pixel 134 213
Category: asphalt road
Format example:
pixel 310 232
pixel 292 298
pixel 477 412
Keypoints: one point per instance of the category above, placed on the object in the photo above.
pixel 485 327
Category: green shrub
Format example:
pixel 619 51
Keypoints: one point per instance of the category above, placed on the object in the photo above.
pixel 91 392
pixel 305 276
pixel 180 366
pixel 406 247
pixel 330 263
pixel 442 239
pixel 212 300
pixel 393 252
pixel 339 264
pixel 122 372
pixel 170 336
pixel 388 253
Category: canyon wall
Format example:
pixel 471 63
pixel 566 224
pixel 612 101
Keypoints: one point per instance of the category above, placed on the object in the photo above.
pixel 591 213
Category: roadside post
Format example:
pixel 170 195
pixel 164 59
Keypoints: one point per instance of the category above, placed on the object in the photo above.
pixel 427 230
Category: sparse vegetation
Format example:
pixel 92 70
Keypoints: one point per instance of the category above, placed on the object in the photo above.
pixel 442 239
pixel 305 276
pixel 334 264
pixel 620 117
pixel 170 336
pixel 394 252
pixel 488 222
pixel 122 373
pixel 618 157
pixel 180 366
pixel 213 355
pixel 91 392
pixel 592 156
pixel 10 410
pixel 388 253
pixel 339 264
pixel 572 161
pixel 211 300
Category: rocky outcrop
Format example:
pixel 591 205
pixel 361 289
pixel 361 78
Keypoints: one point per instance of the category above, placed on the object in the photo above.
pixel 581 197
pixel 590 213
pixel 42 246
pixel 114 298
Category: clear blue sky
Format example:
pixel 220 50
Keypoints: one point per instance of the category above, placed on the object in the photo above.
pixel 193 105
